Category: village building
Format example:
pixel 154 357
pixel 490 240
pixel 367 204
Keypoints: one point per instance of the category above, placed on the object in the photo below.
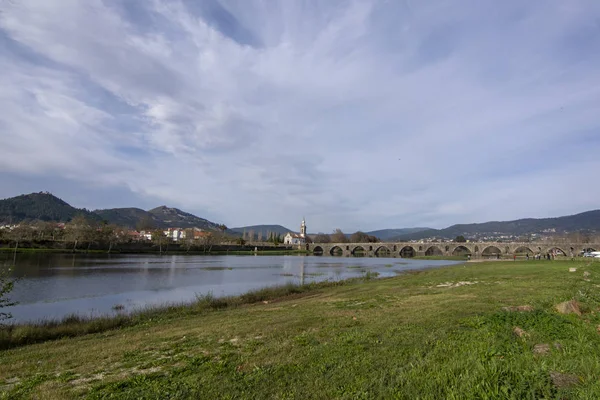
pixel 297 238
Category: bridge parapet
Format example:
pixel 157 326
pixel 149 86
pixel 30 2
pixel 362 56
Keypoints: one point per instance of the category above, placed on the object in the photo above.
pixel 475 249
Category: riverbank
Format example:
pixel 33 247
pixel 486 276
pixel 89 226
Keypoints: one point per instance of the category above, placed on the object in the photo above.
pixel 437 333
pixel 273 252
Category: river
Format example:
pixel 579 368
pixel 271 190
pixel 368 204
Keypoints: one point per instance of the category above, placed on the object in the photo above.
pixel 52 286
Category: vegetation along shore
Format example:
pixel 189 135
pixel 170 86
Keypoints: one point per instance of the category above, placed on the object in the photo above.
pixel 478 330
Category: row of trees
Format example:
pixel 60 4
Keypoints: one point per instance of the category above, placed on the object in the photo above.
pixel 340 237
pixel 82 231
pixel 269 237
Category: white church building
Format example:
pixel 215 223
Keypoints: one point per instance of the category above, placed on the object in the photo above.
pixel 295 238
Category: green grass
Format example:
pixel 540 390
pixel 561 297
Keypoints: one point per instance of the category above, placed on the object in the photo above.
pixel 408 337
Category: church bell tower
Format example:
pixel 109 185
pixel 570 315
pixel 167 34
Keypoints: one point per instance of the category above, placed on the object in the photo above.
pixel 303 228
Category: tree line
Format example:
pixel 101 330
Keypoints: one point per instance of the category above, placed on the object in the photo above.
pixel 82 232
pixel 340 237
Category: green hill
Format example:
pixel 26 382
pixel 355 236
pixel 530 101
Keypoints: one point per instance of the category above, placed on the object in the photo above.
pixel 174 217
pixel 42 206
pixel 129 217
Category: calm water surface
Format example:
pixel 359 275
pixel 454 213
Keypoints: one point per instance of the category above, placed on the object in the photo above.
pixel 52 286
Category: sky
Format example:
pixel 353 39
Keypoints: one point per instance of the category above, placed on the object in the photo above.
pixel 355 114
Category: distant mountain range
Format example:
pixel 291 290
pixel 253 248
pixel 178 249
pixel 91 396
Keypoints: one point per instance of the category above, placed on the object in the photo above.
pixel 588 222
pixel 44 206
pixel 385 234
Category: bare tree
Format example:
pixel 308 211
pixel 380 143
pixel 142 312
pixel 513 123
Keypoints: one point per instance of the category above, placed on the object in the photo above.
pixel 109 234
pixel 80 230
pixel 321 238
pixel 188 242
pixel 207 240
pixel 159 238
pixel 338 236
pixel 20 233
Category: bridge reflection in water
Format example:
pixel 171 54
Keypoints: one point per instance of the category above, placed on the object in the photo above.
pixel 447 249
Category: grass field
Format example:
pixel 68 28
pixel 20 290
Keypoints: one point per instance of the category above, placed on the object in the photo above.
pixel 435 334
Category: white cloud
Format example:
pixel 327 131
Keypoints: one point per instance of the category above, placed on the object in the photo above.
pixel 359 114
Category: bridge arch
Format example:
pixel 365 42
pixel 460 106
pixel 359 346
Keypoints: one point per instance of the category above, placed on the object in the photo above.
pixel 407 252
pixel 523 250
pixel 382 250
pixel 317 251
pixel 491 251
pixel 557 250
pixel 336 251
pixel 358 250
pixel 461 251
pixel 434 251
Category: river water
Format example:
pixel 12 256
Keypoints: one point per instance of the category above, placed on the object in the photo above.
pixel 52 286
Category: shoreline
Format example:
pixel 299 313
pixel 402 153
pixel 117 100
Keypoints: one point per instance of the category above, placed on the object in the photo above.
pixel 27 333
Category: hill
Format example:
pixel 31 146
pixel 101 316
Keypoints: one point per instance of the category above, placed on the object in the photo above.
pixel 129 217
pixel 42 206
pixel 588 221
pixel 174 217
pixel 47 207
pixel 385 234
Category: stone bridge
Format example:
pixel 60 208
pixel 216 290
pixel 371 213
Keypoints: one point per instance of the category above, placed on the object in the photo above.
pixel 474 249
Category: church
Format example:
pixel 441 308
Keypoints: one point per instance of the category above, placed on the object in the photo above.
pixel 294 238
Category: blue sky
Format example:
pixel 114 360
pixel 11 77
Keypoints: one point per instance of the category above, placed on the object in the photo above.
pixel 355 114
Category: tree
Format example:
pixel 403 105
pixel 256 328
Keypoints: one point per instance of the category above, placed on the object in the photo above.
pixel 45 230
pixel 321 238
pixel 6 286
pixel 159 238
pixel 460 239
pixel 19 233
pixel 80 230
pixel 338 237
pixel 207 240
pixel 361 237
pixel 109 233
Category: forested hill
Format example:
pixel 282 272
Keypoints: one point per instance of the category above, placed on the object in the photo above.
pixel 44 206
pixel 41 206
pixel 588 221
pixel 385 234
pixel 130 217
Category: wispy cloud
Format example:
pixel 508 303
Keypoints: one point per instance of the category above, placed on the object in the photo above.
pixel 359 115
